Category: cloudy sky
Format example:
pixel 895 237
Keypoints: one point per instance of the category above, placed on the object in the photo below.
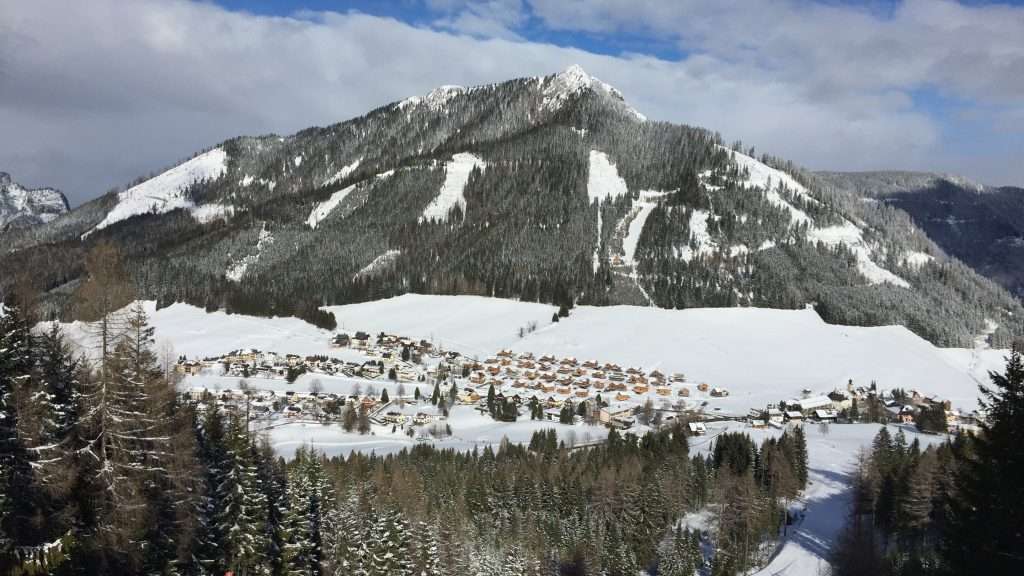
pixel 96 93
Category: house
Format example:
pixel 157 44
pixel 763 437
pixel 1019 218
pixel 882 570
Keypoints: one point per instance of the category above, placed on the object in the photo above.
pixel 684 392
pixel 362 339
pixel 698 428
pixel 808 405
pixel 703 386
pixel 341 340
pixel 663 391
pixel 794 415
pixel 719 392
pixel 617 410
pixel 826 415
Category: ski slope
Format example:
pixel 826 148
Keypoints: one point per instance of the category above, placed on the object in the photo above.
pixel 457 171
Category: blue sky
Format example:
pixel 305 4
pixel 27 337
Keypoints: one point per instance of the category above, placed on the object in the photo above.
pixel 97 93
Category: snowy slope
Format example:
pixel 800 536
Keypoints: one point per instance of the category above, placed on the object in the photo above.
pixel 603 182
pixel 166 192
pixel 324 209
pixel 457 172
pixel 343 173
pixel 772 180
pixel 377 264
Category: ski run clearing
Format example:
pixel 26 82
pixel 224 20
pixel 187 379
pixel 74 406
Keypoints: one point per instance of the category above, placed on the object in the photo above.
pixel 324 209
pixel 167 191
pixel 343 173
pixel 457 172
pixel 603 182
pixel 642 209
pixel 238 269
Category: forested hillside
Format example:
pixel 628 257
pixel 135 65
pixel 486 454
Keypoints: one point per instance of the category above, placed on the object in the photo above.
pixel 982 226
pixel 546 189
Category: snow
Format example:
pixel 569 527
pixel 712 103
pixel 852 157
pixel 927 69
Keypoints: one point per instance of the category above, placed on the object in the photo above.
pixel 436 100
pixel 698 236
pixel 379 262
pixel 603 180
pixel 166 192
pixel 238 269
pixel 916 259
pixel 470 430
pixel 343 173
pixel 574 80
pixel 457 172
pixel 324 209
pixel 297 161
pixel 771 181
pixel 206 213
pixel 849 235
pixel 648 200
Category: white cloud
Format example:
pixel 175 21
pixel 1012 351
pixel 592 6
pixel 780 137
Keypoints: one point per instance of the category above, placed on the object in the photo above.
pixel 93 94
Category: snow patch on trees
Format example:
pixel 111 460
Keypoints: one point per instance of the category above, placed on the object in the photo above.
pixel 603 180
pixel 457 172
pixel 772 181
pixel 849 235
pixel 916 259
pixel 378 263
pixel 238 269
pixel 701 243
pixel 166 192
pixel 343 173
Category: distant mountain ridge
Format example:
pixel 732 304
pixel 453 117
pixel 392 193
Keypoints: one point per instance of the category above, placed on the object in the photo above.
pixel 22 207
pixel 981 225
pixel 550 189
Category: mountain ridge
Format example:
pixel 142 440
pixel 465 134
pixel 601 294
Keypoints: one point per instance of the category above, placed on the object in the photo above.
pixel 22 207
pixel 548 189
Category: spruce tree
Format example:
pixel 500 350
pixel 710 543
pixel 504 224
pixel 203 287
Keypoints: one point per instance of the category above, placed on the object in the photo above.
pixel 985 534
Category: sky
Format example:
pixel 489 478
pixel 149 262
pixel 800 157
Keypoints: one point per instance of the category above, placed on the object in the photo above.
pixel 96 94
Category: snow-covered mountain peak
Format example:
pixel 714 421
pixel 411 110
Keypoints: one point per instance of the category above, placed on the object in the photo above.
pixel 22 207
pixel 575 80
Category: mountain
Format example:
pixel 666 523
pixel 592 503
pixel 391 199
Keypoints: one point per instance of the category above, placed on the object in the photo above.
pixel 549 189
pixel 21 207
pixel 983 226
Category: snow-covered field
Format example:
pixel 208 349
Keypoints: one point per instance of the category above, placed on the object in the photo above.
pixel 759 355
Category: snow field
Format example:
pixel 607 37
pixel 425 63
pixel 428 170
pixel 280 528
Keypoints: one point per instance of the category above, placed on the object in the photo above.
pixel 166 191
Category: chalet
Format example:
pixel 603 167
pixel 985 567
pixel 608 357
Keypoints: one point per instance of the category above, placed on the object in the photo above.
pixel 341 341
pixel 362 339
pixel 719 392
pixel 826 415
pixel 663 391
pixel 620 397
pixel 697 428
pixel 678 377
pixel 640 389
pixel 794 415
pixel 703 386
pixel 684 392
pixel 392 417
pixel 617 410
pixel 421 418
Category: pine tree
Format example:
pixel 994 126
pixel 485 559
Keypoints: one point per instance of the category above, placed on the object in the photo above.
pixel 243 509
pixel 19 501
pixel 985 534
pixel 800 453
pixel 436 396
